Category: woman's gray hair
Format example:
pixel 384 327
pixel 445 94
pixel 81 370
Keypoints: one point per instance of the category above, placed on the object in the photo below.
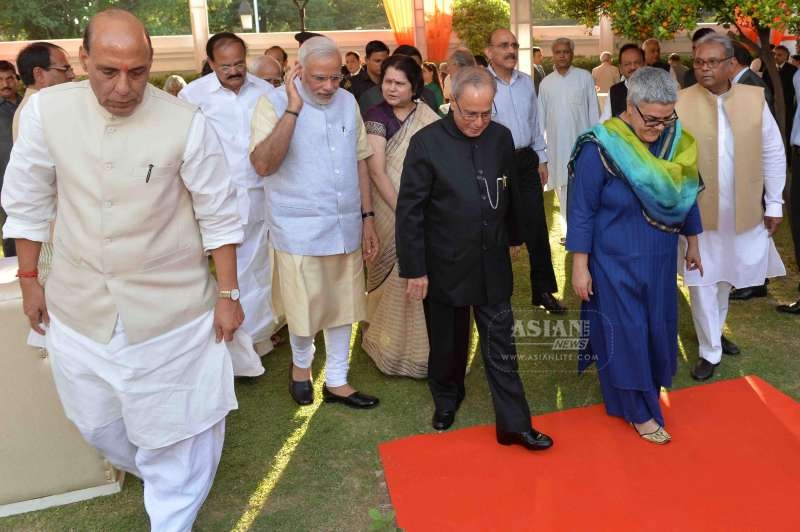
pixel 652 85
pixel 317 47
pixel 564 40
pixel 472 76
pixel 717 38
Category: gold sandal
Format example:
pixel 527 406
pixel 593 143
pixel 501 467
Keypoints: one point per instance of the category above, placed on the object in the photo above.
pixel 659 436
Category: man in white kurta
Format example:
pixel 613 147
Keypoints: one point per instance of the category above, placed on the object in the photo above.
pixel 227 98
pixel 310 144
pixel 740 159
pixel 134 322
pixel 568 103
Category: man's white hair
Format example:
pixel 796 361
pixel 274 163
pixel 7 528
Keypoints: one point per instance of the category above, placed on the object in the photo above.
pixel 317 47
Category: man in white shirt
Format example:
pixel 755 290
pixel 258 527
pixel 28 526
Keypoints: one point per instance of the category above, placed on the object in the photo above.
pixel 740 156
pixel 569 107
pixel 227 98
pixel 136 321
pixel 605 74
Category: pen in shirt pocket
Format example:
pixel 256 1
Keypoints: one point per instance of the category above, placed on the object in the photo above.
pixel 149 169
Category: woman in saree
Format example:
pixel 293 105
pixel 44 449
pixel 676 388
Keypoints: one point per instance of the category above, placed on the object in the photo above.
pixel 632 192
pixel 395 338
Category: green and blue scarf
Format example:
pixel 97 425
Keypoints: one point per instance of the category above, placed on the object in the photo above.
pixel 666 184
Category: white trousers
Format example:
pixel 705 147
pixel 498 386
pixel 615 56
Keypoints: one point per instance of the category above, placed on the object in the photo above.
pixel 337 347
pixel 177 478
pixel 561 193
pixel 255 275
pixel 709 311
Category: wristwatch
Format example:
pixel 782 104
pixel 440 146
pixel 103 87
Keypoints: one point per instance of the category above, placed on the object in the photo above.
pixel 229 294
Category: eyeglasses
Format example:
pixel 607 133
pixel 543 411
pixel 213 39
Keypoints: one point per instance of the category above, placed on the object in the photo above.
pixel 471 116
pixel 319 78
pixel 713 64
pixel 275 82
pixel 62 69
pixel 507 45
pixel 652 121
pixel 235 67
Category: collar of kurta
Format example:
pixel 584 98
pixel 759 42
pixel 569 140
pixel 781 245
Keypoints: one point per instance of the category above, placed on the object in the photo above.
pixel 107 116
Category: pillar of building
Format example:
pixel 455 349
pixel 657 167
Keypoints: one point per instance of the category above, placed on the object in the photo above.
pixel 198 14
pixel 420 40
pixel 522 27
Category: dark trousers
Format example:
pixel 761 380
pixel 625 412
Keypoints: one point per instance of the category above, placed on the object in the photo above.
pixel 448 334
pixel 529 207
pixel 9 244
pixel 794 203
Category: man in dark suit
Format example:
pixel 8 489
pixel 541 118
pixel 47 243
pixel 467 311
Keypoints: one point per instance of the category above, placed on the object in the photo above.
pixel 786 71
pixel 631 58
pixel 452 237
pixel 538 69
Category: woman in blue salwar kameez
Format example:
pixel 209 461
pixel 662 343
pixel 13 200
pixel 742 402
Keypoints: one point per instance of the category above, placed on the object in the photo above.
pixel 632 192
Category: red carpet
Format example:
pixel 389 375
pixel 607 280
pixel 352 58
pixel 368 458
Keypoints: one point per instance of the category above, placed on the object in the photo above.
pixel 733 464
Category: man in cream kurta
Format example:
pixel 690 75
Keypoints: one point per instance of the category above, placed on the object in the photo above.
pixel 135 319
pixel 227 98
pixel 568 103
pixel 740 159
pixel 310 143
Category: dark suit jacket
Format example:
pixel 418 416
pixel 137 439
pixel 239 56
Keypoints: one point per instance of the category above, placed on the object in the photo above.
pixel 751 78
pixel 446 226
pixel 618 94
pixel 786 74
pixel 538 76
pixel 660 64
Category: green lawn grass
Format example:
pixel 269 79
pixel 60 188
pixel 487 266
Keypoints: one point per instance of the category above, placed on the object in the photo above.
pixel 290 468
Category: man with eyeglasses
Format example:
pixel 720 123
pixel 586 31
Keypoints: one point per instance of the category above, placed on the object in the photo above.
pixel 741 160
pixel 310 145
pixel 453 232
pixel 518 109
pixel 227 98
pixel 41 64
pixel 569 106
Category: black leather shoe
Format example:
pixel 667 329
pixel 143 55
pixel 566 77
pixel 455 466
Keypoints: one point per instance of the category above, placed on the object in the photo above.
pixel 301 391
pixel 728 347
pixel 741 294
pixel 354 400
pixel 703 370
pixel 794 308
pixel 549 303
pixel 443 419
pixel 532 439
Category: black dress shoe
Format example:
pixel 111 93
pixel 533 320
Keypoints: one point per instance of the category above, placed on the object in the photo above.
pixel 794 308
pixel 703 370
pixel 728 347
pixel 301 391
pixel 548 302
pixel 741 294
pixel 443 419
pixel 531 439
pixel 354 400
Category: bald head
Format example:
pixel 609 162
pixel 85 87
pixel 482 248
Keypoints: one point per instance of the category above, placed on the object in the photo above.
pixel 268 69
pixel 117 55
pixel 115 23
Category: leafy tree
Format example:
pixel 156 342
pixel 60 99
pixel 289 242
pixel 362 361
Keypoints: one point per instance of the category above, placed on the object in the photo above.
pixel 663 18
pixel 474 19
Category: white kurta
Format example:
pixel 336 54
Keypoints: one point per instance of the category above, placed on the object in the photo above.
pixel 229 114
pixel 748 258
pixel 189 342
pixel 568 106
